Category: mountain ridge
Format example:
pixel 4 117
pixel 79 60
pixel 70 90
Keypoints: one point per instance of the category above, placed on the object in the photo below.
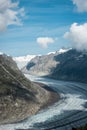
pixel 70 65
pixel 19 97
pixel 42 65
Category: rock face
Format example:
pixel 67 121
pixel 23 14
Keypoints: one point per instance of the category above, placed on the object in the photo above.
pixel 40 65
pixel 70 65
pixel 19 97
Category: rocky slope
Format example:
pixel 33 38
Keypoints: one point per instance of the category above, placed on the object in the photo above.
pixel 19 97
pixel 43 65
pixel 40 65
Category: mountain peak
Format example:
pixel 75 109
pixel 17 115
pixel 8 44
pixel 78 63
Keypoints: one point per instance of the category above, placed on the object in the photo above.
pixel 50 53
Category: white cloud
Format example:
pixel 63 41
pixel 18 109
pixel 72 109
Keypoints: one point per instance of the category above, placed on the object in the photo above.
pixel 78 36
pixel 10 14
pixel 44 41
pixel 81 5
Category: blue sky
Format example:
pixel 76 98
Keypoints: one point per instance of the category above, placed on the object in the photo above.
pixel 40 19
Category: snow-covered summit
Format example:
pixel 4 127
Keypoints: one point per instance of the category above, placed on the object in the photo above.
pixel 63 50
pixel 60 51
pixel 23 60
pixel 50 53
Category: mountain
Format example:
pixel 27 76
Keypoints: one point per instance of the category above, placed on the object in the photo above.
pixel 19 97
pixel 69 64
pixel 40 65
pixel 23 60
pixel 43 65
pixel 72 66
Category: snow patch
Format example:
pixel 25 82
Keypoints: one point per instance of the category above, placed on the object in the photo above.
pixel 63 50
pixel 60 51
pixel 50 53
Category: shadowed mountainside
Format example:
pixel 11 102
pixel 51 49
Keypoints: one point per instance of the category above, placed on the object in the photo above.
pixel 40 65
pixel 72 66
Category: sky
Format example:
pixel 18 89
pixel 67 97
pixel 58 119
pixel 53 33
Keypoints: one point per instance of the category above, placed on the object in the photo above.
pixel 42 26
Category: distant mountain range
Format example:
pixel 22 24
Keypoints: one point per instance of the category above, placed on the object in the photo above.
pixel 23 60
pixel 65 64
pixel 19 97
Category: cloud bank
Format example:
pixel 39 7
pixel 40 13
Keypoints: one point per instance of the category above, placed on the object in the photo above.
pixel 78 36
pixel 10 14
pixel 44 41
pixel 81 5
